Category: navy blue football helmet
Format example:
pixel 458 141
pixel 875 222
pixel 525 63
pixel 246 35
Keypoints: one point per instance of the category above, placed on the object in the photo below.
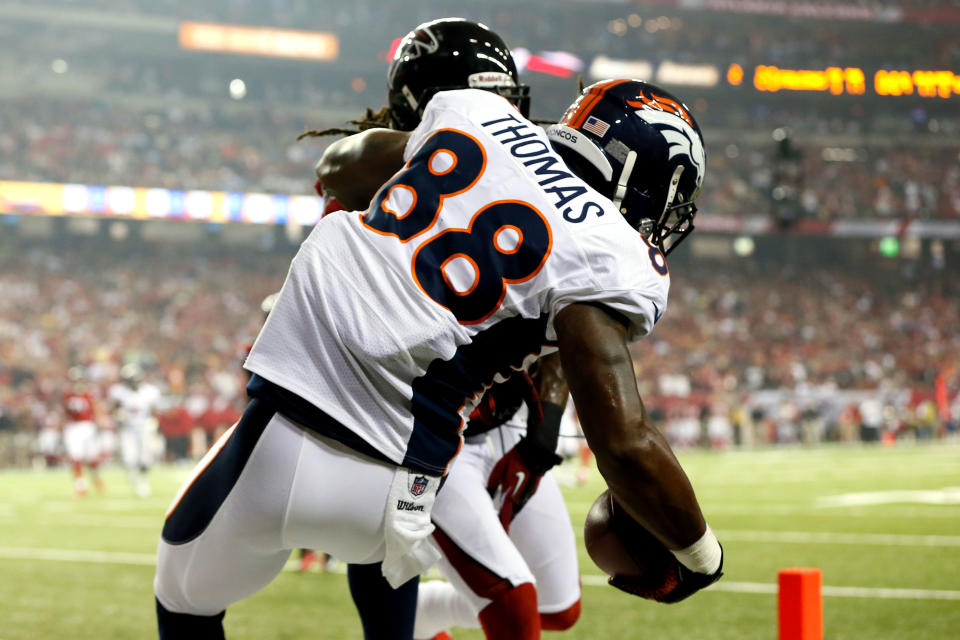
pixel 639 146
pixel 450 53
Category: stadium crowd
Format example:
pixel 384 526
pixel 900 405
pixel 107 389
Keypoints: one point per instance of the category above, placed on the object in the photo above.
pixel 741 345
pixel 107 143
pixel 780 349
pixel 161 117
pixel 868 182
pixel 654 32
pixel 186 321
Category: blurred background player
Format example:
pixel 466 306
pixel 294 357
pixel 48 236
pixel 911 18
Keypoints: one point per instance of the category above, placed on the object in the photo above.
pixel 80 433
pixel 573 448
pixel 135 403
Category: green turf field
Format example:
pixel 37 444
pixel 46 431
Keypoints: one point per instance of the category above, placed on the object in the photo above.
pixel 82 568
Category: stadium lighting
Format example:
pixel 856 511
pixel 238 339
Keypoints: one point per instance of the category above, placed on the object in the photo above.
pixel 118 231
pixel 617 27
pixel 735 75
pixel 238 89
pixel 604 67
pixel 259 41
pixel 59 66
pixel 744 246
pixel 889 247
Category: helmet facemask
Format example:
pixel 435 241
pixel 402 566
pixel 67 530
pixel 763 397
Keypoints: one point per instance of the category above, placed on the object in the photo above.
pixel 674 222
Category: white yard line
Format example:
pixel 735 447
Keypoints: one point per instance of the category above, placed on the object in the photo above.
pixel 80 520
pixel 809 508
pixel 858 511
pixel 740 535
pixel 77 555
pixel 590 580
pixel 814 537
pixel 944 496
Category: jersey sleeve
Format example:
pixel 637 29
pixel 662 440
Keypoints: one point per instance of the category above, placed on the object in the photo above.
pixel 623 274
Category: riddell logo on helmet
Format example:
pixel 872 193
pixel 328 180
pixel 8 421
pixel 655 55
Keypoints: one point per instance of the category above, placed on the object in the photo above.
pixel 485 79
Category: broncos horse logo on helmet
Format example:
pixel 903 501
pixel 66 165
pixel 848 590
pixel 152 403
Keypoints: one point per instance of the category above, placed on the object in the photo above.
pixel 450 53
pixel 639 146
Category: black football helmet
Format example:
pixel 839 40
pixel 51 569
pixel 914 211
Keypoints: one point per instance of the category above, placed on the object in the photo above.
pixel 450 53
pixel 639 146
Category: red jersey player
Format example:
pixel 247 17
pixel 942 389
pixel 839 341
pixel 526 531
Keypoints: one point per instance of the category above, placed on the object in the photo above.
pixel 80 431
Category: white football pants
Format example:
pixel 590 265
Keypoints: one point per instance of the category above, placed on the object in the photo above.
pixel 541 547
pixel 253 498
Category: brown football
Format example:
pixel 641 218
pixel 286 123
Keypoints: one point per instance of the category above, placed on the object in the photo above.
pixel 622 547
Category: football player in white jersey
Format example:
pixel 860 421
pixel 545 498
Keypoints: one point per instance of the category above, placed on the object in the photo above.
pixel 666 129
pixel 480 251
pixel 492 565
pixel 451 53
pixel 135 403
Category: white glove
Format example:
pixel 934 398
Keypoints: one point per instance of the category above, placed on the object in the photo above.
pixel 407 526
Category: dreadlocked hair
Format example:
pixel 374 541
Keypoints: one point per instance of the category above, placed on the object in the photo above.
pixel 381 118
pixel 371 120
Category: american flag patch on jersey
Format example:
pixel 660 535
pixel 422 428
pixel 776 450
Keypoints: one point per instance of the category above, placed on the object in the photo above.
pixel 595 125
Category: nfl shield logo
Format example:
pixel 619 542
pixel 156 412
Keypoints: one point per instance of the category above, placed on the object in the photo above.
pixel 419 485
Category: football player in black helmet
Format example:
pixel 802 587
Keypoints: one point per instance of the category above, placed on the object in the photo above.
pixel 439 55
pixel 443 54
pixel 450 53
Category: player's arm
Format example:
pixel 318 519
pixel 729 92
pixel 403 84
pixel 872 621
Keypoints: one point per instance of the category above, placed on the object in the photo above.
pixel 553 391
pixel 516 476
pixel 633 456
pixel 354 168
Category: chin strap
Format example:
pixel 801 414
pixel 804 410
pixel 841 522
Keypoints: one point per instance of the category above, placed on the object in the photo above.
pixel 411 100
pixel 624 178
pixel 648 226
pixel 672 190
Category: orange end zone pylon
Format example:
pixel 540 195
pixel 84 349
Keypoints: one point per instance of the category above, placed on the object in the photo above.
pixel 800 604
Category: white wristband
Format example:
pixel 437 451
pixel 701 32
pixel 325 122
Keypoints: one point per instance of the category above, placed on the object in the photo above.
pixel 703 556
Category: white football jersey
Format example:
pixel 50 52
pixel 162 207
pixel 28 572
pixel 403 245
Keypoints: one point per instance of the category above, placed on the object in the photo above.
pixel 393 320
pixel 135 406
